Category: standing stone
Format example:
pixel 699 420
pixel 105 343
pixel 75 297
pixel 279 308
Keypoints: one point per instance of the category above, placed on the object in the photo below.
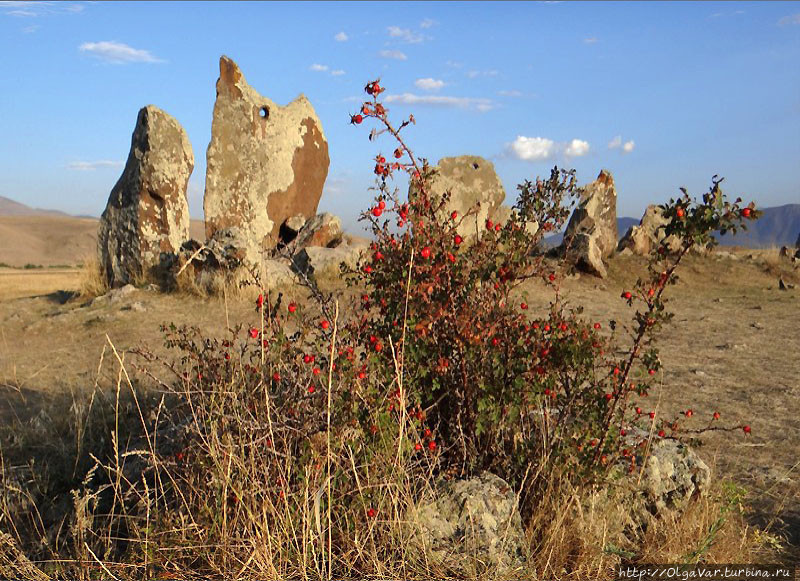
pixel 265 163
pixel 646 237
pixel 473 185
pixel 592 229
pixel 147 212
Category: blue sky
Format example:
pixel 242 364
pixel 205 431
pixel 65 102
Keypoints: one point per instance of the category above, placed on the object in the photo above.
pixel 662 94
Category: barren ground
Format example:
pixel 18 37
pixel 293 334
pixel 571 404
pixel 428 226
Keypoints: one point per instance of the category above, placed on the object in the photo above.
pixel 733 347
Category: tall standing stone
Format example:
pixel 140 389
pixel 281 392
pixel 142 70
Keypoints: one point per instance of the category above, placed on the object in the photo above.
pixel 649 234
pixel 265 163
pixel 147 212
pixel 592 229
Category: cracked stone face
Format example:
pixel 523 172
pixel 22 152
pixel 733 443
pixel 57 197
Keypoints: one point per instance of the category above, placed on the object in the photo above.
pixel 147 213
pixel 265 163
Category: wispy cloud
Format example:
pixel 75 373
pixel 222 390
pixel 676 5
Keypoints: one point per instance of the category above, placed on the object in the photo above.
pixel 487 73
pixel 393 54
pixel 341 37
pixel 427 23
pixel 617 143
pixel 318 68
pixel 405 35
pixel 337 73
pixel 576 148
pixel 93 165
pixel 474 103
pixel 510 93
pixel 789 20
pixel 429 84
pixel 118 53
pixel 32 9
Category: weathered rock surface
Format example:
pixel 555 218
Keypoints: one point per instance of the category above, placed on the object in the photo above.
pixel 592 228
pixel 673 474
pixel 473 185
pixel 472 524
pixel 322 230
pixel 645 238
pixel 265 163
pixel 147 213
pixel 324 262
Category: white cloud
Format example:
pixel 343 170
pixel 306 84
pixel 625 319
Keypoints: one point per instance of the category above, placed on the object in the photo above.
pixel 532 148
pixel 617 143
pixel 427 23
pixel 510 93
pixel 429 84
pixel 341 37
pixel 405 34
pixel 478 104
pixel 393 54
pixel 28 8
pixel 590 40
pixel 454 64
pixel 93 165
pixel 791 19
pixel 337 72
pixel 576 148
pixel 318 68
pixel 118 53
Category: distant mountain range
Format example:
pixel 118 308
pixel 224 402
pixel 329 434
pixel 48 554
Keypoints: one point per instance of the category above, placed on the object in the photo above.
pixel 779 226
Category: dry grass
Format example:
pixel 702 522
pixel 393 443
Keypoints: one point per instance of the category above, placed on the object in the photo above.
pixel 92 280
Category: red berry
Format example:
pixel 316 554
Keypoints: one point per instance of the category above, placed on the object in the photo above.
pixel 716 415
pixel 425 253
pixel 451 257
pixel 427 433
pixel 418 446
pixel 524 306
pixel 495 341
pixel 661 433
pixel 597 325
pixel 651 371
pixel 292 307
pixel 679 212
pixel 458 240
pixel 371 513
pixel 357 119
pixel 398 153
pixel 489 225
pixel 639 410
pixel 626 295
pixel 316 371
pixel 254 333
pixel 276 376
pixel 382 205
pixel 497 227
pixel 689 413
pixel 652 415
pixel 311 389
pixel 746 429
pixel 325 324
pixel 260 301
pixel 378 347
pixel 361 375
pixel 377 212
pixel 746 212
pixel 454 215
pixel 368 269
pixel 431 445
pixel 552 277
pixel 622 432
pixel 608 396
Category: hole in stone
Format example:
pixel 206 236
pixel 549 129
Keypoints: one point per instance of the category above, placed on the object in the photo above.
pixel 264 112
pixel 474 166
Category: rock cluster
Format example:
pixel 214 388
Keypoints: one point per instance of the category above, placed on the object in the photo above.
pixel 266 167
pixel 649 234
pixel 591 234
pixel 147 213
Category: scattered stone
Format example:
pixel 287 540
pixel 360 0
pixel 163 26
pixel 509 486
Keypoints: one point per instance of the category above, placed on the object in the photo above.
pixel 783 285
pixel 474 186
pixel 265 163
pixel 325 262
pixel 591 234
pixel 136 307
pixel 147 214
pixel 114 296
pixel 758 326
pixel 699 373
pixel 648 235
pixel 471 524
pixel 323 230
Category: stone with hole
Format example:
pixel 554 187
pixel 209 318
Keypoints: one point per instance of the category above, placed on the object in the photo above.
pixel 265 163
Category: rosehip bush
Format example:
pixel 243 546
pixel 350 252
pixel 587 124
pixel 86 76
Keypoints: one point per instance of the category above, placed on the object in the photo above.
pixel 503 388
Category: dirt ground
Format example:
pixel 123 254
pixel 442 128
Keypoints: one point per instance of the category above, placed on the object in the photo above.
pixel 733 347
